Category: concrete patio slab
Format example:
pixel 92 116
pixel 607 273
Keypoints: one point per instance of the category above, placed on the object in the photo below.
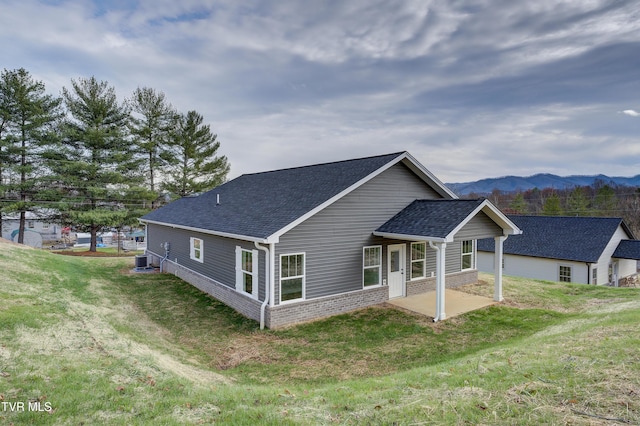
pixel 456 303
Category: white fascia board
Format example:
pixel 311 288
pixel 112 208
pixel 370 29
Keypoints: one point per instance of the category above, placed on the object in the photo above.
pixel 406 237
pixel 508 227
pixel 209 232
pixel 431 179
pixel 276 236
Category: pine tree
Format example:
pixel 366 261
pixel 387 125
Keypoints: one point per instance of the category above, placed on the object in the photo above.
pixel 197 168
pixel 151 127
pixel 29 117
pixel 577 203
pixel 95 163
pixel 606 201
pixel 518 205
pixel 552 206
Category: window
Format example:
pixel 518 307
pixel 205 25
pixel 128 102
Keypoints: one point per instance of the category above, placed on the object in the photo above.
pixel 247 271
pixel 197 249
pixel 565 274
pixel 594 276
pixel 418 260
pixel 30 224
pixel 372 265
pixel 292 277
pixel 46 226
pixel 467 254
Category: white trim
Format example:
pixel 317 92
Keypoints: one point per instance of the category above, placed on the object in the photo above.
pixel 240 272
pixel 409 237
pixel 192 249
pixel 570 268
pixel 471 254
pixel 371 267
pixel 423 260
pixel 303 276
pixel 496 215
pixel 430 176
pixel 402 266
pixel 209 232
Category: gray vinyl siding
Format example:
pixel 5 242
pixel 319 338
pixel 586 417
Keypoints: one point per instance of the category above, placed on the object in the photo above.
pixel 334 238
pixel 219 253
pixel 480 226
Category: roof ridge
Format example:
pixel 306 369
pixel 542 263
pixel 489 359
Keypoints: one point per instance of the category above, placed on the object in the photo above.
pixel 394 154
pixel 568 217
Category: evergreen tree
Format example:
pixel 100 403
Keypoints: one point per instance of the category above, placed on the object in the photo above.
pixel 518 205
pixel 577 203
pixel 552 206
pixel 95 163
pixel 28 123
pixel 197 167
pixel 151 127
pixel 605 201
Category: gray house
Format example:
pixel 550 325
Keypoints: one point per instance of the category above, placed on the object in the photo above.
pixel 587 250
pixel 298 244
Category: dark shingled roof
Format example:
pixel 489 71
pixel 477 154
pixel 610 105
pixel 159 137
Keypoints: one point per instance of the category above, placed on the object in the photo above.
pixel 430 218
pixel 260 204
pixel 628 249
pixel 581 239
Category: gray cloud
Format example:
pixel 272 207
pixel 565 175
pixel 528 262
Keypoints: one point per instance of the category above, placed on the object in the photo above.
pixel 472 89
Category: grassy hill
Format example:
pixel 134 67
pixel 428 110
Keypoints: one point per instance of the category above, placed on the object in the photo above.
pixel 85 341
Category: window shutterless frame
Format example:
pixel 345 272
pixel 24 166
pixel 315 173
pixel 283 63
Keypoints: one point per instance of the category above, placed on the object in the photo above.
pixel 292 277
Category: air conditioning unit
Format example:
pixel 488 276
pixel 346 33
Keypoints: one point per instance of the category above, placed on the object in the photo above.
pixel 142 261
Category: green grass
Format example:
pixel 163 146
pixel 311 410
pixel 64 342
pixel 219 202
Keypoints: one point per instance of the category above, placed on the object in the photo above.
pixel 104 346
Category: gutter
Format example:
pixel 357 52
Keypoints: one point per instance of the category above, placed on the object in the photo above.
pixel 267 281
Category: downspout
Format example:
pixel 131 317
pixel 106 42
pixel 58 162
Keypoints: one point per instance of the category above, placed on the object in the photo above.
pixel 267 281
pixel 167 250
pixel 588 273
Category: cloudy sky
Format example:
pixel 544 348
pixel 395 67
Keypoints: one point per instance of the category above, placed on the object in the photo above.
pixel 473 89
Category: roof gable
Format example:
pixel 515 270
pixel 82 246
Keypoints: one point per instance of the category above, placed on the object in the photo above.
pixel 440 220
pixel 262 206
pixel 627 249
pixel 581 239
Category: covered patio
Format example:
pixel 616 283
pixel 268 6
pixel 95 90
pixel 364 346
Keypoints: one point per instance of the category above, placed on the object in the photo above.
pixel 458 303
pixel 441 222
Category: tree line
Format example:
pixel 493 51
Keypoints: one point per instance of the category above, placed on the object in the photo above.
pixel 605 199
pixel 91 161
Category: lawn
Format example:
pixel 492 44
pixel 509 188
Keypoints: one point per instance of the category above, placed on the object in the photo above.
pixel 86 341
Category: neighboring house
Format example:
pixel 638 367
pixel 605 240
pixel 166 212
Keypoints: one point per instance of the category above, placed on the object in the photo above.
pixel 37 229
pixel 298 244
pixel 588 250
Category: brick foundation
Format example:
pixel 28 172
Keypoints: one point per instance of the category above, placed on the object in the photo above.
pixel 292 313
pixel 282 315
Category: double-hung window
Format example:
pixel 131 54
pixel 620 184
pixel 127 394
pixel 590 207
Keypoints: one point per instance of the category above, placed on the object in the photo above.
pixel 196 251
pixel 564 274
pixel 247 271
pixel 292 277
pixel 418 260
pixel 372 265
pixel 467 254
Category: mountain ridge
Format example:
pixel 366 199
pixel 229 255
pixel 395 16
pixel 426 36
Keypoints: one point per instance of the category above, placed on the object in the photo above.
pixel 540 181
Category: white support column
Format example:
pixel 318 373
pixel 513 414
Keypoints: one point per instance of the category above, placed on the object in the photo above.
pixel 440 279
pixel 497 266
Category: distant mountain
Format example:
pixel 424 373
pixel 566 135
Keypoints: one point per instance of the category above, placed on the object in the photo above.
pixel 540 181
